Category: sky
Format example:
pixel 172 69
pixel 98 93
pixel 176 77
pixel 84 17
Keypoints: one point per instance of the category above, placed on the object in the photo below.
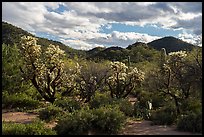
pixel 85 25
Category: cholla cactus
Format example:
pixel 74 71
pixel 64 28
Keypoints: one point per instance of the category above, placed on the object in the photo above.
pixel 31 53
pixel 44 70
pixel 176 59
pixel 177 56
pixel 123 79
pixel 54 56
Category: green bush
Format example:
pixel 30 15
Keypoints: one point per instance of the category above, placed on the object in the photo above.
pixel 125 106
pixel 35 128
pixel 140 111
pixel 191 122
pixel 20 100
pixel 68 104
pixel 191 105
pixel 100 99
pixel 75 123
pixel 51 112
pixel 157 101
pixel 136 92
pixel 33 93
pixel 107 119
pixel 164 116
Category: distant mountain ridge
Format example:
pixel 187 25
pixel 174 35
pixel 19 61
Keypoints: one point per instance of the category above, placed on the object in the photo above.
pixel 137 44
pixel 171 44
pixel 11 34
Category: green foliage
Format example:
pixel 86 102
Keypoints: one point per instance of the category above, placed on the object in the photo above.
pixel 68 104
pixel 35 128
pixel 75 123
pixel 104 119
pixel 125 106
pixel 164 116
pixel 91 79
pixel 141 111
pixel 11 75
pixel 109 119
pixel 141 106
pixel 19 100
pixel 103 100
pixel 191 105
pixel 157 101
pixel 100 99
pixel 51 112
pixel 191 122
pixel 142 52
pixel 33 93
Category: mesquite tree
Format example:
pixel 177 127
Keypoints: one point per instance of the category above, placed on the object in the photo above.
pixel 43 69
pixel 123 79
pixel 91 78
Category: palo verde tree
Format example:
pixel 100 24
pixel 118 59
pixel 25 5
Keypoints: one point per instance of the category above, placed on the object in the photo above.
pixel 45 69
pixel 123 79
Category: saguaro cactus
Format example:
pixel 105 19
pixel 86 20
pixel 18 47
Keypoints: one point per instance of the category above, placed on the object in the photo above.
pixel 128 61
pixel 163 57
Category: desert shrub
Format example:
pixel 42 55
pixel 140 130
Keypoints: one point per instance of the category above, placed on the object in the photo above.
pixel 125 106
pixel 140 111
pixel 107 119
pixel 157 101
pixel 35 128
pixel 136 92
pixel 75 123
pixel 100 99
pixel 20 101
pixel 191 122
pixel 191 105
pixel 68 104
pixel 33 93
pixel 141 106
pixel 164 116
pixel 51 112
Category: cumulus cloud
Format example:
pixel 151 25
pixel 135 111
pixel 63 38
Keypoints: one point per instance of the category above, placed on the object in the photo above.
pixel 193 24
pixel 79 44
pixel 190 38
pixel 122 39
pixel 83 21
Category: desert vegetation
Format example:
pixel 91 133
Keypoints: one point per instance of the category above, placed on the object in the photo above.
pixel 84 95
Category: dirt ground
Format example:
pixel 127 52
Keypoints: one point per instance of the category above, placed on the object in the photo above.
pixel 131 128
pixel 145 128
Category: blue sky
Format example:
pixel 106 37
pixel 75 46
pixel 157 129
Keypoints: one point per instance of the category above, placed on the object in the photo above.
pixel 85 25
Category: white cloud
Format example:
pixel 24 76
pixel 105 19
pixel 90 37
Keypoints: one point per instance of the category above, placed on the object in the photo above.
pixel 83 20
pixel 79 44
pixel 122 39
pixel 190 38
